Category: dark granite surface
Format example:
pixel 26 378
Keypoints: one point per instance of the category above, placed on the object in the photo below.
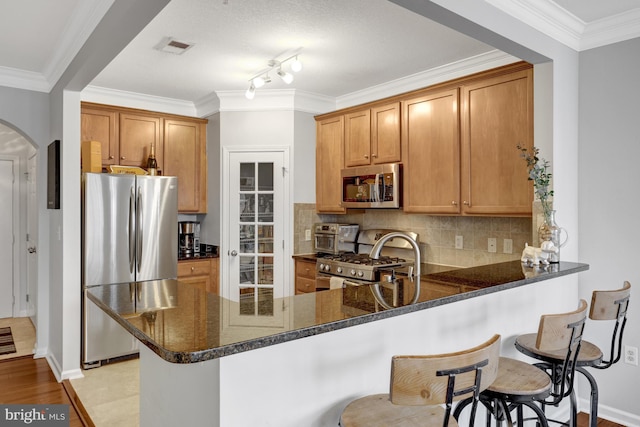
pixel 183 324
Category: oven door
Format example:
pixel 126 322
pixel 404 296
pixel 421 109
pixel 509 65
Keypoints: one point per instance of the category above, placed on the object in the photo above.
pixel 358 297
pixel 325 243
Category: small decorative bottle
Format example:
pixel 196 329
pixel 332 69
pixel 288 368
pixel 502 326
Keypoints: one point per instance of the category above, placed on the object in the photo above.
pixel 152 164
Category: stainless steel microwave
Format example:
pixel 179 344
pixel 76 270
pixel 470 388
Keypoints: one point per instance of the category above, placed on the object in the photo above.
pixel 375 186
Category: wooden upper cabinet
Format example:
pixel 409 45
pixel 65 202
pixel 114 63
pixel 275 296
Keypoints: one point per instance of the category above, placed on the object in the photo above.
pixel 137 133
pixel 185 157
pixel 497 115
pixel 329 164
pixel 126 135
pixel 431 143
pixel 385 134
pixel 357 138
pixel 102 126
pixel 372 136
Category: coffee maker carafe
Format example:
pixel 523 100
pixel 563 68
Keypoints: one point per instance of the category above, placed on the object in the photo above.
pixel 188 239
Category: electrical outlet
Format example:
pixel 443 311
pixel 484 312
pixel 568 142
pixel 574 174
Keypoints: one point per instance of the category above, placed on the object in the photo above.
pixel 507 246
pixel 459 242
pixel 631 355
pixel 307 235
pixel 492 244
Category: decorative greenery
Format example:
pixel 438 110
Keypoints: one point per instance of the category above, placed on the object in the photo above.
pixel 541 177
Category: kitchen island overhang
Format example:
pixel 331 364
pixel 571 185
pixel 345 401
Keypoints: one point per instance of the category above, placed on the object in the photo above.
pixel 309 381
pixel 484 280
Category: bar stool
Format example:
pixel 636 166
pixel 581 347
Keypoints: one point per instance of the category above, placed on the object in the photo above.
pixel 605 305
pixel 520 384
pixel 421 384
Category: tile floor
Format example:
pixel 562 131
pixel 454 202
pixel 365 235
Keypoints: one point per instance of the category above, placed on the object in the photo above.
pixel 110 393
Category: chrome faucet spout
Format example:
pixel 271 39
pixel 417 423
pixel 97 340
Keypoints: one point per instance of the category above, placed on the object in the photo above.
pixel 414 276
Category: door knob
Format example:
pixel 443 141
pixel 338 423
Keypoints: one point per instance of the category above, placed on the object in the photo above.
pixel 32 250
pixel 233 253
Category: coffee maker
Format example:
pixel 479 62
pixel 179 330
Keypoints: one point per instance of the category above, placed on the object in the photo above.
pixel 188 239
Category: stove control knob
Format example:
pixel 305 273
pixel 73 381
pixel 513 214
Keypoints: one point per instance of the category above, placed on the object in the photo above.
pixel 321 267
pixel 360 274
pixel 327 267
pixel 339 270
pixel 352 272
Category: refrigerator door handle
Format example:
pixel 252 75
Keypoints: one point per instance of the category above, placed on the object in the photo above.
pixel 139 230
pixel 132 231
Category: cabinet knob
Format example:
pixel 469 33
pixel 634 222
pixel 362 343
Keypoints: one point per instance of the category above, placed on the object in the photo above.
pixel 193 269
pixel 110 157
pixel 122 158
pixel 466 203
pixel 366 156
pixel 454 203
pixel 374 155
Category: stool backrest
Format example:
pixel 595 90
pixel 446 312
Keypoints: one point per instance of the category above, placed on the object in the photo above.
pixel 610 305
pixel 443 378
pixel 563 332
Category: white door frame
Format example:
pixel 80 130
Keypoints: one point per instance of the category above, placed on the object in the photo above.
pixel 31 281
pixel 224 214
pixel 15 228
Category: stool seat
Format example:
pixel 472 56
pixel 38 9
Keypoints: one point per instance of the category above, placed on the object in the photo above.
pixel 377 410
pixel 517 380
pixel 589 354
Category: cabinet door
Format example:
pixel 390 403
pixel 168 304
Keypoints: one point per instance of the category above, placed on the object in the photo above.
pixel 185 157
pixel 357 138
pixel 329 163
pixel 137 133
pixel 385 134
pixel 497 116
pixel 431 146
pixel 102 126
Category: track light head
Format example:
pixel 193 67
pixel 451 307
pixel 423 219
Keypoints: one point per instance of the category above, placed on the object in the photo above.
pixel 296 65
pixel 251 92
pixel 286 77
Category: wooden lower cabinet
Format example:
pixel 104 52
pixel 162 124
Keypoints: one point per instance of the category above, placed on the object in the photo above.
pixel 429 290
pixel 202 273
pixel 305 276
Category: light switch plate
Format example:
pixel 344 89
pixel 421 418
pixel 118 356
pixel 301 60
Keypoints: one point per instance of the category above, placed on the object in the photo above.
pixel 459 242
pixel 507 245
pixel 307 234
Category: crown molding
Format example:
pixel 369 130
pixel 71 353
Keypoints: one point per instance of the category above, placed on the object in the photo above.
pixel 614 29
pixel 273 100
pixel 549 18
pixel 21 79
pixel 475 64
pixel 84 20
pixel 141 101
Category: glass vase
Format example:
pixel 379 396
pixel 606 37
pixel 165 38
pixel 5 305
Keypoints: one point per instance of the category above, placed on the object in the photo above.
pixel 549 230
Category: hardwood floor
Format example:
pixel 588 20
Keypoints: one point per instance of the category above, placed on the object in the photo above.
pixel 583 421
pixel 25 380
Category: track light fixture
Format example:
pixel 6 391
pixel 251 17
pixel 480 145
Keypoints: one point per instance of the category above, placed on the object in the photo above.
pixel 261 78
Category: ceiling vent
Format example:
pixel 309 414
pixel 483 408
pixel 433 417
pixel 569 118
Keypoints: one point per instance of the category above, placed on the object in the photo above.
pixel 171 45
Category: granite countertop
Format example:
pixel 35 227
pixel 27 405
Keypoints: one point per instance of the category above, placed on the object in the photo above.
pixel 184 324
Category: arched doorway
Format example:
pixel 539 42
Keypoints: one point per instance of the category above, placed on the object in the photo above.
pixel 18 224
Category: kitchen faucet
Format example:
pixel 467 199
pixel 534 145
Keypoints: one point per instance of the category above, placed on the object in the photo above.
pixel 375 254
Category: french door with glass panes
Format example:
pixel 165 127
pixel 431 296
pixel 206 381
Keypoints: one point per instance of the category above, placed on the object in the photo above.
pixel 257 215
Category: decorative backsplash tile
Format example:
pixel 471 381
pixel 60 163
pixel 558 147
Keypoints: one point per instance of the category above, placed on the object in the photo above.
pixel 436 233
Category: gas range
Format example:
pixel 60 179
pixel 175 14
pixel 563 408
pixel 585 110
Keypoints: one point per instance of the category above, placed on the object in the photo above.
pixel 358 266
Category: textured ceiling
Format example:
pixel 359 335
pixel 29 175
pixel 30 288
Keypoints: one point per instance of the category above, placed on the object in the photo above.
pixel 346 46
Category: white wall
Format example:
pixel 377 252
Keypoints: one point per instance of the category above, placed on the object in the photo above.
pixel 609 176
pixel 28 113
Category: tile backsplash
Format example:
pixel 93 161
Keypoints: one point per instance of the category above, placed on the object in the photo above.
pixel 437 234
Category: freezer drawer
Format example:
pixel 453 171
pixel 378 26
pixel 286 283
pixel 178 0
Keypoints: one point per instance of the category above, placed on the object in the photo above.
pixel 103 337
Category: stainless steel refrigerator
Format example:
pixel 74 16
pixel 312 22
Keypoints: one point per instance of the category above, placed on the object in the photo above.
pixel 129 234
